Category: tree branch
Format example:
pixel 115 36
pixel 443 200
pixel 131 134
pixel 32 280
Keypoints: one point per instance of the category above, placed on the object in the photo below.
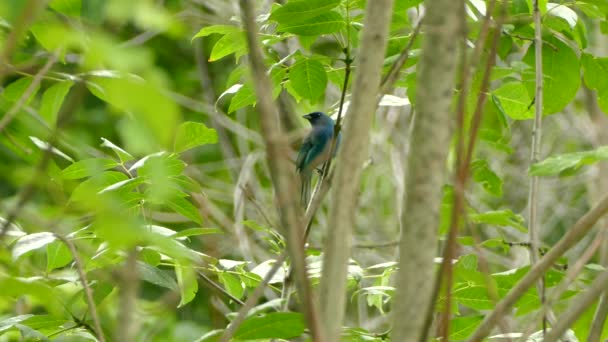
pixel 85 285
pixel 351 156
pixel 426 171
pixel 574 311
pixel 280 169
pixel 573 235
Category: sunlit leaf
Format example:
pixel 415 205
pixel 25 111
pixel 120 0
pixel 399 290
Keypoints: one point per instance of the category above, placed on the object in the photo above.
pixel 328 22
pixel 294 11
pixel 87 167
pixel 568 163
pixel 185 207
pixel 192 134
pixel 233 42
pixel 273 325
pixel 232 284
pixel 513 100
pixel 57 255
pixel 53 99
pixel 221 29
pixel 503 218
pixel 308 78
pixel 120 153
pixel 156 276
pixel 484 175
pixel 32 242
pixel 186 280
pixel 561 74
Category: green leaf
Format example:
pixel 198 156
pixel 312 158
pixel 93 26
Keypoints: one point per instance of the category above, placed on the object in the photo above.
pixel 273 325
pixel 563 12
pixel 192 134
pixel 513 100
pixel 296 11
pixel 221 29
pixel 123 155
pixel 67 7
pixel 568 163
pixel 503 218
pixel 308 78
pixel 405 4
pixel 233 42
pixel 9 322
pixel 156 276
pixel 159 172
pixel 152 110
pixel 57 255
pixel 184 207
pixel 561 74
pixel 255 226
pixel 484 175
pixel 87 167
pixel 88 189
pixel 149 256
pixel 127 184
pixel 232 283
pixel 328 22
pixel 594 70
pixel 14 91
pixel 197 231
pixel 244 97
pixel 45 146
pixel 463 327
pixel 474 297
pixel 186 280
pixel 52 100
pixel 32 242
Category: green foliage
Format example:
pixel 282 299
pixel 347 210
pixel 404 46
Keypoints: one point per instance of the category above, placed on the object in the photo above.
pixel 568 164
pixel 133 168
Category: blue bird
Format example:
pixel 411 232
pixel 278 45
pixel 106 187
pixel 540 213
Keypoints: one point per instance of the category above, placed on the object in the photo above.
pixel 315 150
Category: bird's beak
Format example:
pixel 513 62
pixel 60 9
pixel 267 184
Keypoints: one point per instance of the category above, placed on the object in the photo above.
pixel 307 117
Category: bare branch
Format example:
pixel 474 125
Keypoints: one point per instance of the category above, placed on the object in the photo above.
pixel 88 292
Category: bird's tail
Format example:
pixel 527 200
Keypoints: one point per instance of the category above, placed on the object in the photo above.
pixel 305 179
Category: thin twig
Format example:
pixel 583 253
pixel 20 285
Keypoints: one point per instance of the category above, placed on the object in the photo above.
pixel 85 285
pixel 388 82
pixel 533 227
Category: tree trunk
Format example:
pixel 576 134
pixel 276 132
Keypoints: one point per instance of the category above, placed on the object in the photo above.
pixel 426 170
pixel 352 154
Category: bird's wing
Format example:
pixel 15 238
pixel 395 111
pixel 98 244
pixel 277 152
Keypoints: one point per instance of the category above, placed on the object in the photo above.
pixel 305 149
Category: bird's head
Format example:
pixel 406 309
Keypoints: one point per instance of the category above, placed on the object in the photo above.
pixel 318 118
